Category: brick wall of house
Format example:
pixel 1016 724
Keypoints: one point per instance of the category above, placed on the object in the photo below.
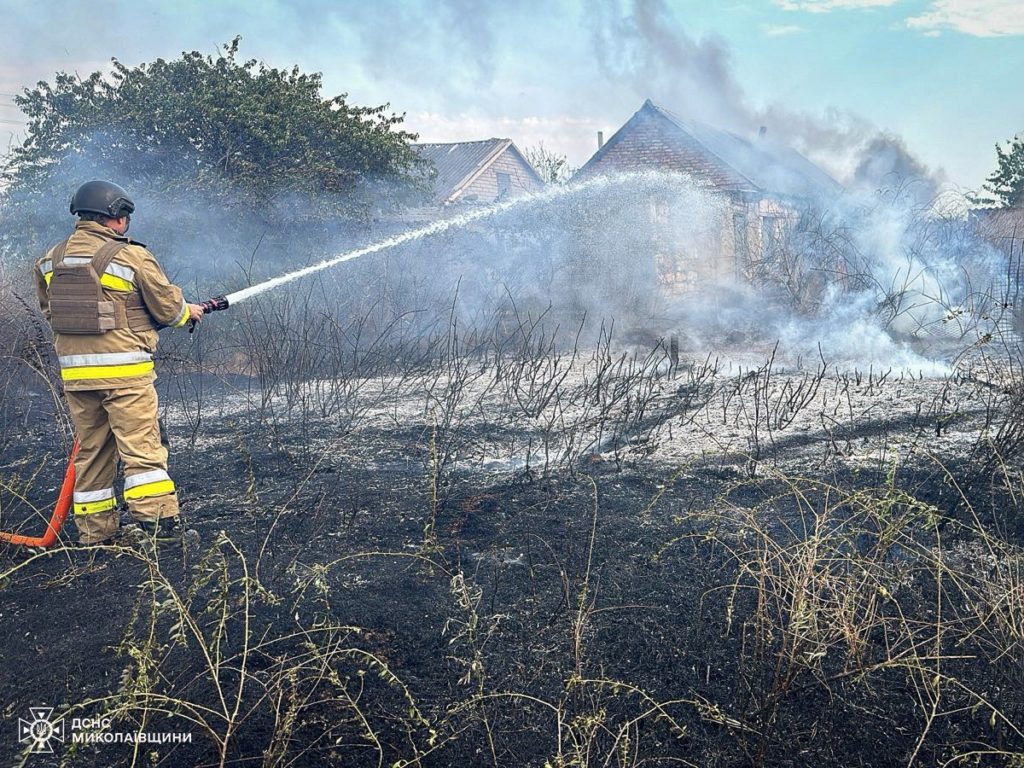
pixel 712 252
pixel 732 245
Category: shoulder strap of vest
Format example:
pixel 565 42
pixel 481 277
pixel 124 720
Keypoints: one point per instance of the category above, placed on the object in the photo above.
pixel 102 258
pixel 57 254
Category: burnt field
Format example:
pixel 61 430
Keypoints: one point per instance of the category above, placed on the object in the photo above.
pixel 493 549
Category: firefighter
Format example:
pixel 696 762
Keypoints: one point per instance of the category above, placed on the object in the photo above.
pixel 105 297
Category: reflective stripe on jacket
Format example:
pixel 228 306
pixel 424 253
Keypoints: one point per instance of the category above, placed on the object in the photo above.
pixel 110 365
pixel 116 277
pixel 122 357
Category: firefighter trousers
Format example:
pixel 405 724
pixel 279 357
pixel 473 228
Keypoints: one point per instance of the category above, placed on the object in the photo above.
pixel 113 423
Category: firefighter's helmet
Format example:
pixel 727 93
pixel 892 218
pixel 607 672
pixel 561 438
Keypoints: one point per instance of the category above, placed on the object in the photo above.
pixel 102 197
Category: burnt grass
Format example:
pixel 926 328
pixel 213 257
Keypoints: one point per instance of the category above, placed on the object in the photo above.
pixel 378 601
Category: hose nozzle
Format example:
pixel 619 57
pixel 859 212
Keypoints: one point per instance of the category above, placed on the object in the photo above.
pixel 216 304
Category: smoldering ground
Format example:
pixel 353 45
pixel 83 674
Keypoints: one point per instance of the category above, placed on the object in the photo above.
pixel 444 516
pixel 487 549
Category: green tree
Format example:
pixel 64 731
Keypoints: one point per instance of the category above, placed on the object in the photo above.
pixel 1007 181
pixel 202 134
pixel 552 167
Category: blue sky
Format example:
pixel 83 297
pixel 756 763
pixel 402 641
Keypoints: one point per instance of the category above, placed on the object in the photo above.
pixel 824 74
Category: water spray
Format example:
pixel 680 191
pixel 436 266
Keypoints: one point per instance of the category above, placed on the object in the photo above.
pixel 546 195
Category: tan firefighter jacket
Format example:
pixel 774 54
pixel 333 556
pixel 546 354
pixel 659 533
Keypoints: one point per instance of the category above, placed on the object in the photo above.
pixel 121 357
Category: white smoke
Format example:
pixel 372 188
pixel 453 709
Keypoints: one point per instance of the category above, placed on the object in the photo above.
pixel 644 50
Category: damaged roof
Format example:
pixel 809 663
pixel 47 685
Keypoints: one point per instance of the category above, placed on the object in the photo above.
pixel 459 163
pixel 728 161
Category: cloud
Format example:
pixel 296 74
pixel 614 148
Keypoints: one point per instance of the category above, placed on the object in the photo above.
pixel 824 6
pixel 781 30
pixel 979 18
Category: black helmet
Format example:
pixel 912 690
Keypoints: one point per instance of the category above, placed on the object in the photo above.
pixel 102 197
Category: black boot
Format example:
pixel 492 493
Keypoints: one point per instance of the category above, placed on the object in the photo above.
pixel 102 543
pixel 96 552
pixel 169 530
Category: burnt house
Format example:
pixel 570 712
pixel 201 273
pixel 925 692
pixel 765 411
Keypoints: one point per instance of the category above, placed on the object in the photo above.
pixel 478 172
pixel 763 185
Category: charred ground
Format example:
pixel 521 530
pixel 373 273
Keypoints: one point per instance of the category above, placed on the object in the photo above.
pixel 502 554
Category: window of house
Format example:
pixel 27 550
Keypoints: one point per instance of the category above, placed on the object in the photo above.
pixel 504 183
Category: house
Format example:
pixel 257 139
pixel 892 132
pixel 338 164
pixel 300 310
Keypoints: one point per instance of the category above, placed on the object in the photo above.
pixel 763 184
pixel 478 172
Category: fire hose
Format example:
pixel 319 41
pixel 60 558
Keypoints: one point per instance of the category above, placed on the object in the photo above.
pixel 60 511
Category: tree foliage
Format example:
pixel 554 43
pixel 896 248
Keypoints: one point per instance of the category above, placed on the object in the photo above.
pixel 207 133
pixel 552 167
pixel 1007 181
pixel 262 130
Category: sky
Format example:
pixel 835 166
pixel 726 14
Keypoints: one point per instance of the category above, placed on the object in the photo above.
pixel 938 77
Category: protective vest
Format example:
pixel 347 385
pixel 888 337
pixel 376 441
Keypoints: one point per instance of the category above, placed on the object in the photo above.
pixel 77 302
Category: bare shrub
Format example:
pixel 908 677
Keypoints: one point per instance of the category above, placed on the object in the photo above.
pixel 854 591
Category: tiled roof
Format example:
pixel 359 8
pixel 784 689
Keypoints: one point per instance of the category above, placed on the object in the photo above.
pixel 457 163
pixel 730 161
